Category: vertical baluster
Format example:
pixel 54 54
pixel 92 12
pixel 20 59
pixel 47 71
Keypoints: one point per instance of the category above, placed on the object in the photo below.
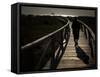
pixel 60 53
pixel 82 28
pixel 62 39
pixel 67 33
pixel 87 34
pixel 52 64
pixel 93 48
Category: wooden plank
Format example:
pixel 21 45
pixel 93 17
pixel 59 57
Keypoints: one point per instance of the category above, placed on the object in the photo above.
pixel 70 59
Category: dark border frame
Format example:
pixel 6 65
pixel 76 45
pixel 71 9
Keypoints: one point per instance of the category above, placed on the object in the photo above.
pixel 15 35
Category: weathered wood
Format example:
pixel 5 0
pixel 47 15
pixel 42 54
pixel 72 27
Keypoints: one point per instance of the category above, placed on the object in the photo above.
pixel 76 57
pixel 70 59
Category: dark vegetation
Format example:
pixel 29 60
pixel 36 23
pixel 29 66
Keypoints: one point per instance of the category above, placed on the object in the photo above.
pixel 34 27
pixel 90 21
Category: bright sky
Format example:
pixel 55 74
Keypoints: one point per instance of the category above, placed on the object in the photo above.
pixel 57 11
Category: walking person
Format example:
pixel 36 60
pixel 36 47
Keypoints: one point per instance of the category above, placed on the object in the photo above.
pixel 75 29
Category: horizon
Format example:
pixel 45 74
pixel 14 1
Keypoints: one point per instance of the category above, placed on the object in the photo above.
pixel 56 11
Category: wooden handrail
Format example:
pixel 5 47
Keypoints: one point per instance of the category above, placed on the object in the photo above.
pixel 50 34
pixel 89 29
pixel 44 37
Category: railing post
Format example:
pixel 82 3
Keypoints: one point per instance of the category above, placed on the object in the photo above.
pixel 52 64
pixel 93 48
pixel 67 33
pixel 55 59
pixel 82 28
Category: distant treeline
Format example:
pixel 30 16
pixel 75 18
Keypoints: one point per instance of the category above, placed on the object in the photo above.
pixel 34 27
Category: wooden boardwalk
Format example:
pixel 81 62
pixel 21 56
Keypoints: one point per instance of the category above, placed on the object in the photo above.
pixel 76 57
pixel 79 57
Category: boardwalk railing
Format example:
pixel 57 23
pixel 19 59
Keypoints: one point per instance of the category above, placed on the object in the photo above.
pixel 90 36
pixel 51 47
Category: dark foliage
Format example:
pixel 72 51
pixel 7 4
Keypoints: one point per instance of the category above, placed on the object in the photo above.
pixel 34 27
pixel 90 21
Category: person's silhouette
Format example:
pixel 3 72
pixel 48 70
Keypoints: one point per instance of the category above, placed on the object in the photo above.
pixel 75 29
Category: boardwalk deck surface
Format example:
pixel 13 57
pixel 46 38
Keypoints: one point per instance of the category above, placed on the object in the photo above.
pixel 72 58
